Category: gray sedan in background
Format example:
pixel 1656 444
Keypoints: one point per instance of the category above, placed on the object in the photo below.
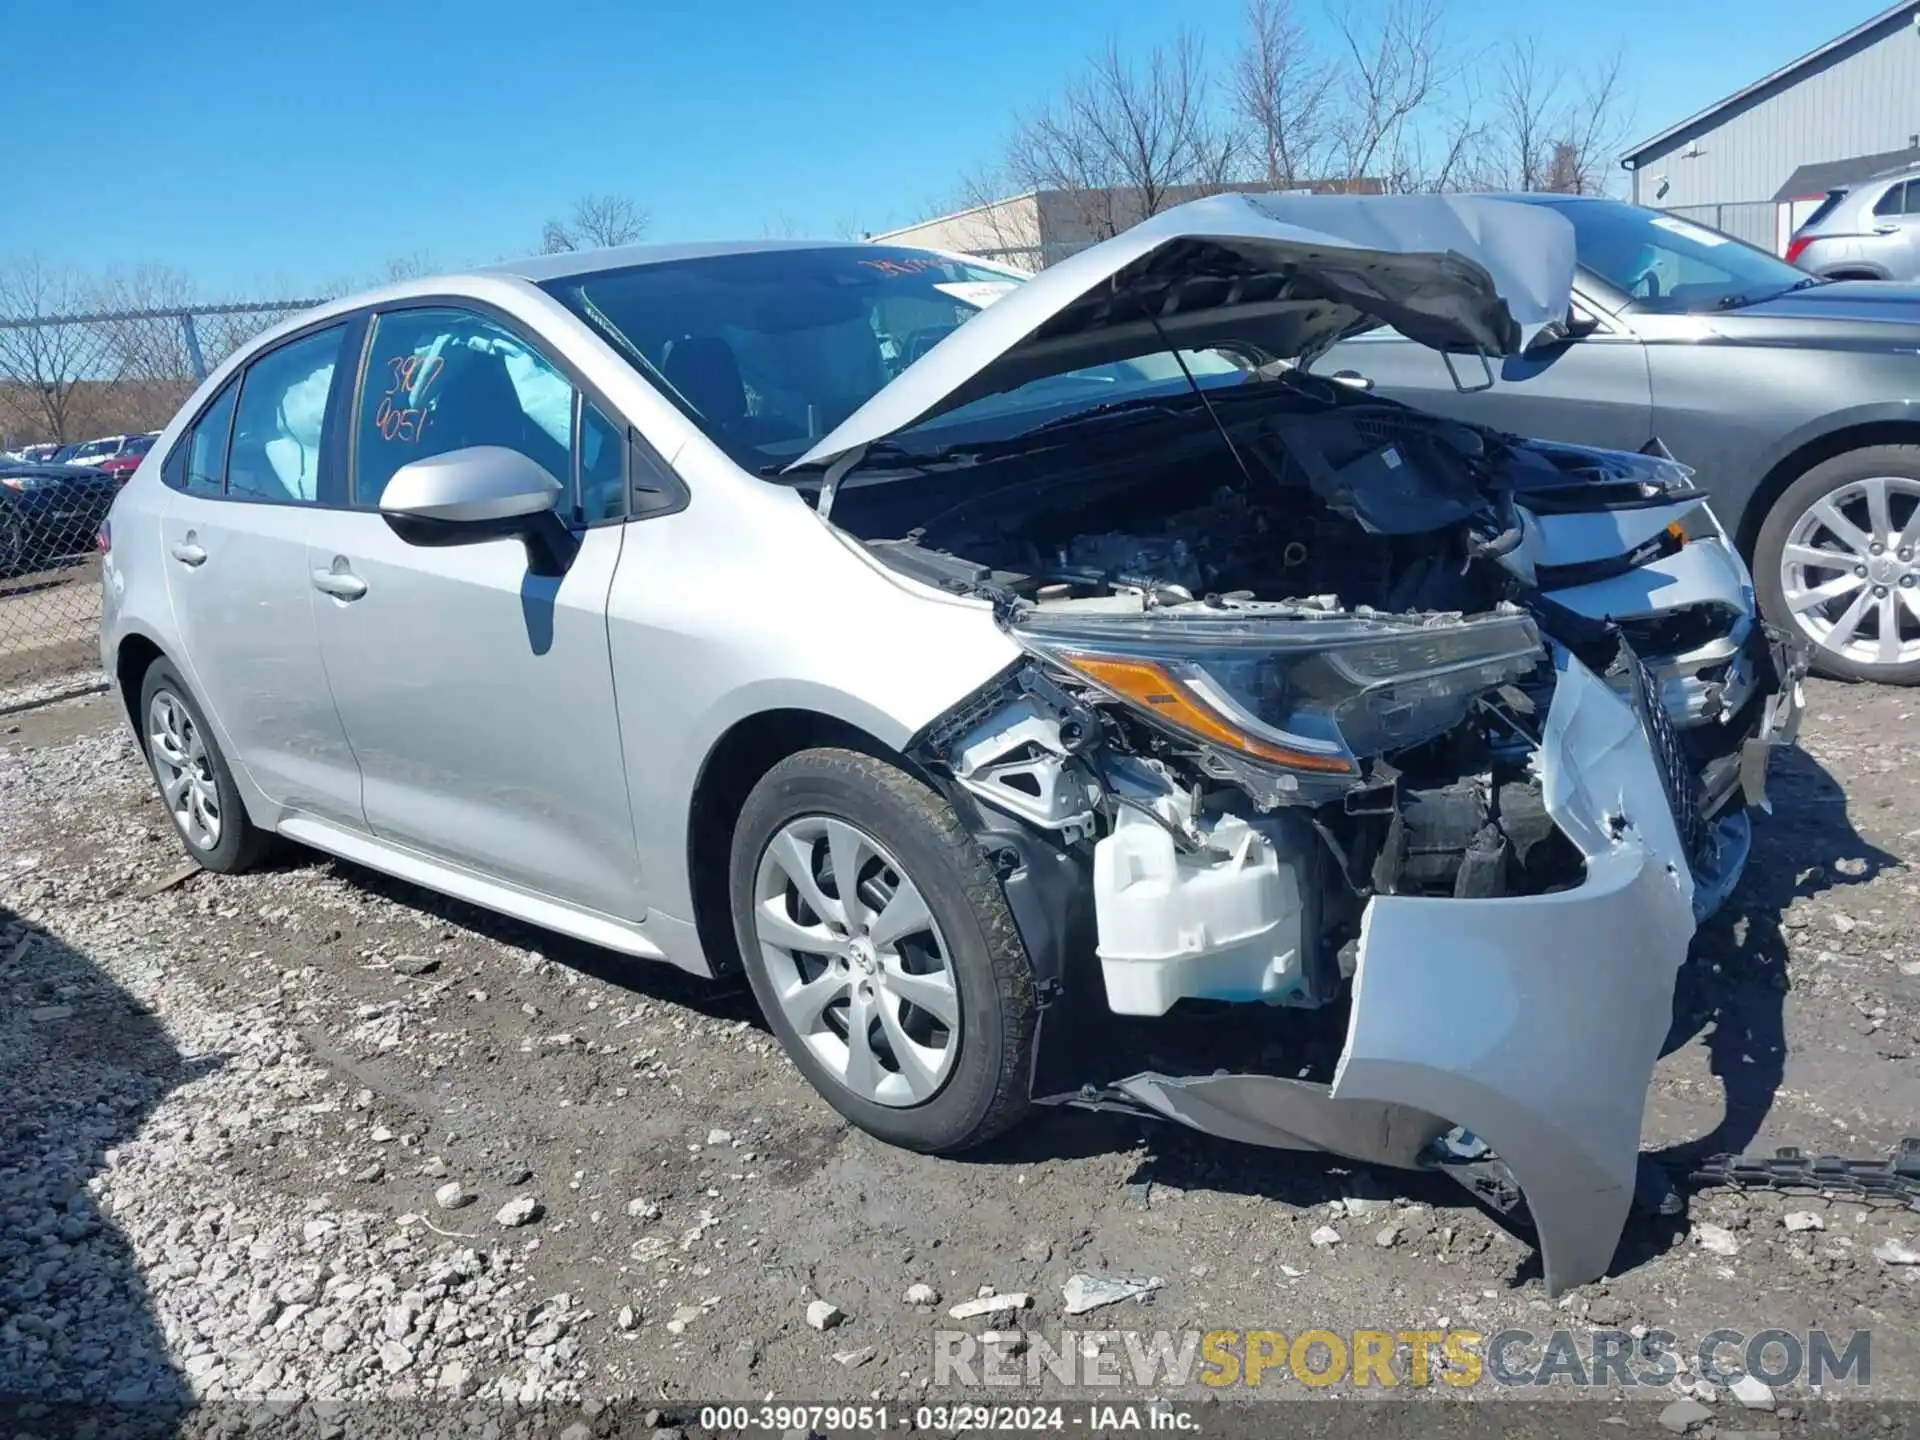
pixel 1792 398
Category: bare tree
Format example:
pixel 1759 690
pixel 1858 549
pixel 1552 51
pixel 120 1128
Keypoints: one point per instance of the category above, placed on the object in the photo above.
pixel 1280 92
pixel 1595 126
pixel 148 361
pixel 41 365
pixel 1125 140
pixel 1524 127
pixel 1550 129
pixel 1397 68
pixel 597 222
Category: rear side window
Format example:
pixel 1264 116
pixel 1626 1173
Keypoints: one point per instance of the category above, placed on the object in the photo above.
pixel 198 461
pixel 277 428
pixel 1894 201
pixel 1825 208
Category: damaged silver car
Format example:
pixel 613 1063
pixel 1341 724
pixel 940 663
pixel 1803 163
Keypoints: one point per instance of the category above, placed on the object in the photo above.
pixel 990 666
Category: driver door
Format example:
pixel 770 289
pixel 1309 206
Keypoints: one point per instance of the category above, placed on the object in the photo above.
pixel 478 697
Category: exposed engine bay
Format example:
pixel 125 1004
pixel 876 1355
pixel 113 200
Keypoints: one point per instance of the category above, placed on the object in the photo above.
pixel 1348 606
pixel 1336 671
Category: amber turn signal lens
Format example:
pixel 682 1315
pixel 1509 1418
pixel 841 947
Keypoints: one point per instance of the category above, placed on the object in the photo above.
pixel 1154 689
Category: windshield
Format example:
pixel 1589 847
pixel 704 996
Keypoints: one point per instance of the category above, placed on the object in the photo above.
pixel 768 350
pixel 96 447
pixel 1669 265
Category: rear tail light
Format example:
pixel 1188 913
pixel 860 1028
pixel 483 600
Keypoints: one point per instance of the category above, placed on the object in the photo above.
pixel 1797 247
pixel 104 540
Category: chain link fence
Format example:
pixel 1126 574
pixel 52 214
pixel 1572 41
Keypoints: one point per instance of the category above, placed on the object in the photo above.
pixel 79 395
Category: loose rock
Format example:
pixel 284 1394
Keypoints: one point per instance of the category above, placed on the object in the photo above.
pixel 1682 1415
pixel 522 1210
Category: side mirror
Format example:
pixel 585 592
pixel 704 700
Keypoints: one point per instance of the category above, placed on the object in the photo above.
pixel 482 492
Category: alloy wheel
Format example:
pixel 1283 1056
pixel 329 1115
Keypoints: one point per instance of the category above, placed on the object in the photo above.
pixel 185 770
pixel 1850 571
pixel 858 966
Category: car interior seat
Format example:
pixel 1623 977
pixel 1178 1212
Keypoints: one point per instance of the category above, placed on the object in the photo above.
pixel 704 369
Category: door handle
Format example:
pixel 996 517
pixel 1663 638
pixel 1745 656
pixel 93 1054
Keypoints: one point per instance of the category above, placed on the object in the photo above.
pixel 1352 378
pixel 190 554
pixel 1886 229
pixel 341 584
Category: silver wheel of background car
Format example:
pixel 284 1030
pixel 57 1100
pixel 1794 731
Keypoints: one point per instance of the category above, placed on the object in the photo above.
pixel 1850 571
pixel 857 964
pixel 186 772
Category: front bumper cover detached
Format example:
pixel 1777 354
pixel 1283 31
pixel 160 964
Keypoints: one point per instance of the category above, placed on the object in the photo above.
pixel 1533 1022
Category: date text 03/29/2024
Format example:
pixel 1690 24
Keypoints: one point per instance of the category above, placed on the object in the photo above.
pixel 962 1418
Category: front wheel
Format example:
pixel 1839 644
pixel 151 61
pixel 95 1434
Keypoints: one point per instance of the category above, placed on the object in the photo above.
pixel 1838 562
pixel 878 942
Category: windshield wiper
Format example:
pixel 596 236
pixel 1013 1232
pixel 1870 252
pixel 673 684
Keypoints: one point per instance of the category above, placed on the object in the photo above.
pixel 1140 404
pixel 1737 302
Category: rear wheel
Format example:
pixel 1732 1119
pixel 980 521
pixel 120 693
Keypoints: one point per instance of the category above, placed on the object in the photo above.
pixel 195 784
pixel 879 945
pixel 1838 562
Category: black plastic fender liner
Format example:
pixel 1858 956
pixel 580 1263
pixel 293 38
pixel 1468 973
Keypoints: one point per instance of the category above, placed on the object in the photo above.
pixel 1049 888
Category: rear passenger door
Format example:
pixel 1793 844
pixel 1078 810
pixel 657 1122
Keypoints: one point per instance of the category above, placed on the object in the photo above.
pixel 248 479
pixel 478 696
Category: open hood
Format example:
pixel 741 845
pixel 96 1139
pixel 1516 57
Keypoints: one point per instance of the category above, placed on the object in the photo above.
pixel 1287 275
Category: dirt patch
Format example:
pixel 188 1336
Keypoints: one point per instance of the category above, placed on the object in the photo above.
pixel 695 1196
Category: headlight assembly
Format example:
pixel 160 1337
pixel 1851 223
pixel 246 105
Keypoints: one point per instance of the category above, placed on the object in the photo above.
pixel 1309 696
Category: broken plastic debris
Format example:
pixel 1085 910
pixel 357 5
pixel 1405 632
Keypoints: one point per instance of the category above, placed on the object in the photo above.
pixel 1082 1293
pixel 1717 1239
pixel 989 1305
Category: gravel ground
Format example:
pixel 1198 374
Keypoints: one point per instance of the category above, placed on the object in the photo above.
pixel 311 1133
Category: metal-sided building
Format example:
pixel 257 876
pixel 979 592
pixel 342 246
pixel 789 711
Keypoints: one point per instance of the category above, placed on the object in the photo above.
pixel 1755 163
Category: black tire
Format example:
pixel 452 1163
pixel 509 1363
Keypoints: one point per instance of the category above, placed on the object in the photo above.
pixel 240 844
pixel 1898 461
pixel 985 1091
pixel 13 544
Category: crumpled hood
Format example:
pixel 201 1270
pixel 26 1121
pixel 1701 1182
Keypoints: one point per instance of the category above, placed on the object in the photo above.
pixel 1287 275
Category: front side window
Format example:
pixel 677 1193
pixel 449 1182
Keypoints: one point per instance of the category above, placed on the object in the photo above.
pixel 603 465
pixel 445 379
pixel 277 427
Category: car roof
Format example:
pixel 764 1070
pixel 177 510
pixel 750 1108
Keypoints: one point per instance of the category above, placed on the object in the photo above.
pixel 539 268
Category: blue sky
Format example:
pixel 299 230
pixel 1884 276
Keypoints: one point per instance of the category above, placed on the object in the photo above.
pixel 264 146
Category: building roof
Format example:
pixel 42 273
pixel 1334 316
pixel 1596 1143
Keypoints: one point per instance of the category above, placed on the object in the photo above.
pixel 1818 179
pixel 1786 74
